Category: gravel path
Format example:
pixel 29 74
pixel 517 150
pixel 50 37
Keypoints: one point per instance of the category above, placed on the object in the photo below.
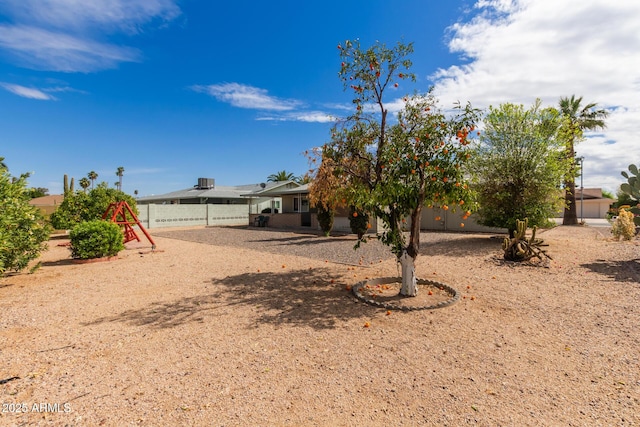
pixel 337 249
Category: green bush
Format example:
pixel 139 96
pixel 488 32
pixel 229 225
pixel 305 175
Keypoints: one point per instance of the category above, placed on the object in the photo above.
pixel 23 231
pixel 96 239
pixel 80 206
pixel 358 221
pixel 325 218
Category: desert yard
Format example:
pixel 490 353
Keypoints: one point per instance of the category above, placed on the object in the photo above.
pixel 236 326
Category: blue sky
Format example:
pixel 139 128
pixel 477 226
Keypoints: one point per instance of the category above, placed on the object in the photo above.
pixel 173 90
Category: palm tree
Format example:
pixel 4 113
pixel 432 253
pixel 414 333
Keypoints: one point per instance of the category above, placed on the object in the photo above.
pixel 283 175
pixel 84 183
pixel 92 176
pixel 119 174
pixel 578 119
pixel 304 179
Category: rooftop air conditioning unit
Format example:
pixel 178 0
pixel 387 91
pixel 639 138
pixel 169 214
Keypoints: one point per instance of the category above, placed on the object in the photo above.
pixel 205 183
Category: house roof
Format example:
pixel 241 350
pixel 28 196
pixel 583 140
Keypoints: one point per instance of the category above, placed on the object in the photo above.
pixel 219 192
pixel 286 187
pixel 590 194
pixel 277 192
pixel 51 200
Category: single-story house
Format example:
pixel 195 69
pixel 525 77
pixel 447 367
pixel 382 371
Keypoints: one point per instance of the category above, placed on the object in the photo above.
pixel 207 192
pixel 590 203
pixel 209 204
pixel 297 212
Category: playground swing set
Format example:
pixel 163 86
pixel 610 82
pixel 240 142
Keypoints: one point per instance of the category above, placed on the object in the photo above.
pixel 122 214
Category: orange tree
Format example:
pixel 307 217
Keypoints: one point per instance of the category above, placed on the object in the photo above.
pixel 393 168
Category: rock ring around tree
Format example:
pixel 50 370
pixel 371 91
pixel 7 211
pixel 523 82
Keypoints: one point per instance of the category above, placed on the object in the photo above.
pixel 385 293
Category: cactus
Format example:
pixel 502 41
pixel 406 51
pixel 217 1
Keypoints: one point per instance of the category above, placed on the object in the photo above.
pixel 519 248
pixel 68 187
pixel 632 188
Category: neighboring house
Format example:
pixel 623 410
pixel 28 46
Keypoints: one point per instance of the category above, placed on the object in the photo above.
pixel 47 204
pixel 208 204
pixel 293 208
pixel 594 206
pixel 297 212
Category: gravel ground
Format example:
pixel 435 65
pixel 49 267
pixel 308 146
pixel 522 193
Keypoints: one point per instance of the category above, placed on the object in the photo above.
pixel 336 249
pixel 256 327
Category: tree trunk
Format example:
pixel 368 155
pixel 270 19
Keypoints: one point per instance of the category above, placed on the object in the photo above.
pixel 409 281
pixel 570 216
pixel 570 212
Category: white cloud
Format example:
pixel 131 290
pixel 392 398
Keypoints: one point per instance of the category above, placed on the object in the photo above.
pixel 302 116
pixel 520 50
pixel 69 35
pixel 111 15
pixel 27 92
pixel 47 50
pixel 245 96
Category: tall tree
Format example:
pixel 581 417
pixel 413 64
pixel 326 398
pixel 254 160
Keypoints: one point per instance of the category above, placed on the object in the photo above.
pixel 119 174
pixel 282 175
pixel 578 119
pixel 3 165
pixel 84 183
pixel 393 170
pixel 519 167
pixel 92 176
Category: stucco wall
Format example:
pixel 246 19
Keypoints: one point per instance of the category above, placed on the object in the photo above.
pixel 157 216
pixel 451 221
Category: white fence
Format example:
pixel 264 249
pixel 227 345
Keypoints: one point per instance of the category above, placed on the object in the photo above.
pixel 157 216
